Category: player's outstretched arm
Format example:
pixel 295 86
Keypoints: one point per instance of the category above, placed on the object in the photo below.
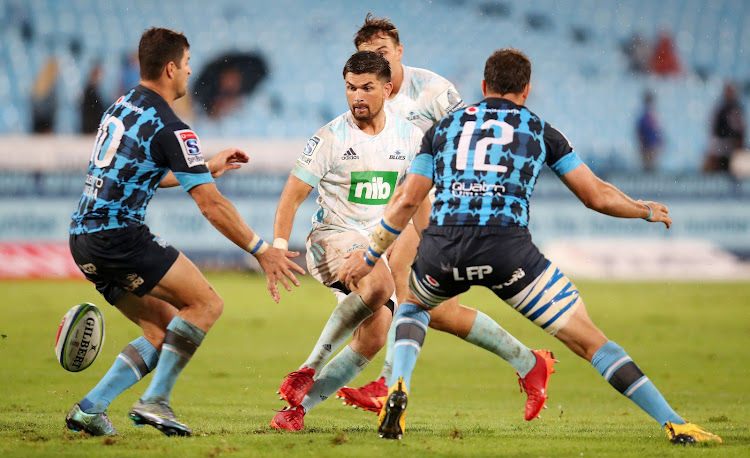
pixel 229 159
pixel 276 263
pixel 403 205
pixel 605 198
pixel 294 193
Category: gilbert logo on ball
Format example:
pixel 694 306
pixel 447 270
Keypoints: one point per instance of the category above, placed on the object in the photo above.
pixel 79 337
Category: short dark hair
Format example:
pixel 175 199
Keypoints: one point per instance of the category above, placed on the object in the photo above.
pixel 368 62
pixel 374 26
pixel 507 71
pixel 157 48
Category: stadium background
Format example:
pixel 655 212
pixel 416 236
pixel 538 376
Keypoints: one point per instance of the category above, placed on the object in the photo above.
pixel 582 80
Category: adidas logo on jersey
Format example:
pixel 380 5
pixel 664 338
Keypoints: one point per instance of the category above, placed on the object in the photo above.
pixel 349 155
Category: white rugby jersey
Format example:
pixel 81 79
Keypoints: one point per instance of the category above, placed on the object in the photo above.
pixel 424 98
pixel 356 173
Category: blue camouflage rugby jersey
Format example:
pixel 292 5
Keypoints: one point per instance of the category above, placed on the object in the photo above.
pixel 139 141
pixel 484 160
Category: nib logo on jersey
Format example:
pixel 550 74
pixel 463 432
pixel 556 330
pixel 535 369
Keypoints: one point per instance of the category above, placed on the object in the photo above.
pixel 372 188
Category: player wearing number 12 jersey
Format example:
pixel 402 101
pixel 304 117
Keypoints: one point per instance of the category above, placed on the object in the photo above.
pixel 484 161
pixel 141 144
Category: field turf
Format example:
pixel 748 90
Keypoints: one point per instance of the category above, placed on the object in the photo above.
pixel 691 339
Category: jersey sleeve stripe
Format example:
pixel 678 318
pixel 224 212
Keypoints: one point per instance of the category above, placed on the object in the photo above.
pixel 191 180
pixel 305 176
pixel 566 163
pixel 423 165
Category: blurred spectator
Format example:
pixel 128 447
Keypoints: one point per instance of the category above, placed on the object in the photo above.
pixel 222 84
pixel 131 72
pixel 227 98
pixel 44 98
pixel 639 53
pixel 650 133
pixel 664 60
pixel 727 131
pixel 92 107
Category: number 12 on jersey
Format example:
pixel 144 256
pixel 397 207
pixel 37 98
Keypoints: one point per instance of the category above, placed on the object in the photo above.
pixel 480 150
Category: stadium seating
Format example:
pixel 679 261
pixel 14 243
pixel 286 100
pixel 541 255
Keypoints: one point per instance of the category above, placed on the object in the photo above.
pixel 581 79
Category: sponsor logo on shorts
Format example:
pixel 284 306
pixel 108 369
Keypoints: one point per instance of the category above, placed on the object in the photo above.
pixel 372 188
pixel 472 273
pixel 160 241
pixel 431 281
pixel 88 268
pixel 191 147
pixel 134 281
pixel 517 275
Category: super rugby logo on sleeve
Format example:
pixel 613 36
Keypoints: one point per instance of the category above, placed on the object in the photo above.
pixel 191 147
pixel 312 147
pixel 449 100
pixel 372 188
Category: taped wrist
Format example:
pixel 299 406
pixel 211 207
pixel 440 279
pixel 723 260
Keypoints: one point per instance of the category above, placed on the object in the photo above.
pixel 283 244
pixel 381 238
pixel 257 246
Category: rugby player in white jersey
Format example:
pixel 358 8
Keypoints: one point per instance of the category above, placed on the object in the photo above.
pixel 355 161
pixel 423 98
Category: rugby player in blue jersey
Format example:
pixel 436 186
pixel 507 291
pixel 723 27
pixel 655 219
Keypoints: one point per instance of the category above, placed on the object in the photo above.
pixel 141 144
pixel 484 161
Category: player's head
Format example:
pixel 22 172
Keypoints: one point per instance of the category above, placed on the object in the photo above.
pixel 507 71
pixel 380 35
pixel 368 84
pixel 164 53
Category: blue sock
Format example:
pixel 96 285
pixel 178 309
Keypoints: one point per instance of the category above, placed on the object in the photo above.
pixel 411 327
pixel 621 372
pixel 180 342
pixel 388 363
pixel 339 371
pixel 486 333
pixel 132 364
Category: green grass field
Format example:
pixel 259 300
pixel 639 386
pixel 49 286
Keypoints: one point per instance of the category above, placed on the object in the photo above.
pixel 690 339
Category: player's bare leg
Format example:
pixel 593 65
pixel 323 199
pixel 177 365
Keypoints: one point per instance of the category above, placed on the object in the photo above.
pixel 199 307
pixel 369 337
pixel 464 322
pixel 582 337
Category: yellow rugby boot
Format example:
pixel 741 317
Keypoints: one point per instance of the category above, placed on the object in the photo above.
pixel 392 421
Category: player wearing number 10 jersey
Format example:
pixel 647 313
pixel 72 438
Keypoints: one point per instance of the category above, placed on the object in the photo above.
pixel 140 142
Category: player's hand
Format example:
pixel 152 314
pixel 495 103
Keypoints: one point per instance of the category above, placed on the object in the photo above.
pixel 229 159
pixel 278 266
pixel 660 213
pixel 354 269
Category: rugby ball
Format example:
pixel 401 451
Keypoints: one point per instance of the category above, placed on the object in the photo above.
pixel 79 337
